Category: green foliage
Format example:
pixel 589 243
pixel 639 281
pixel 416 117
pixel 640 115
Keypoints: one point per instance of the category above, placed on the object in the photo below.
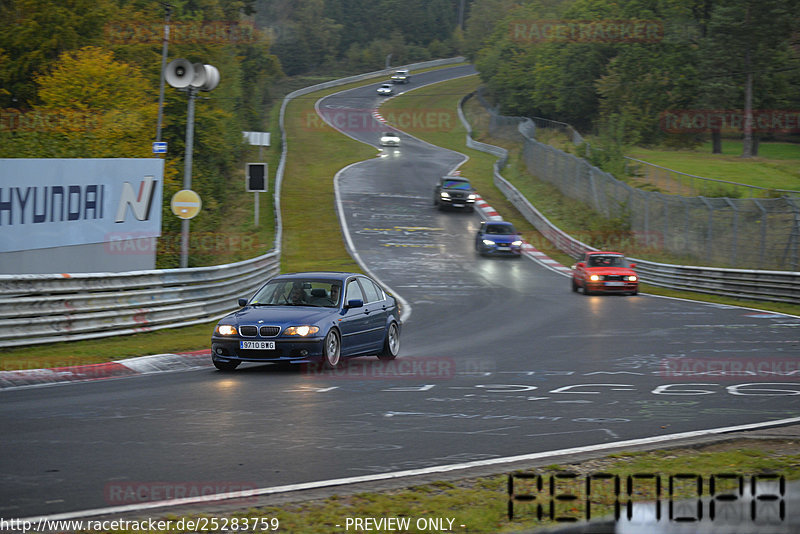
pixel 699 61
pixel 82 80
pixel 354 35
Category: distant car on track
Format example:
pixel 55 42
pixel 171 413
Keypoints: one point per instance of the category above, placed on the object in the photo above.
pixel 309 317
pixel 401 76
pixel 386 89
pixel 455 192
pixel 498 238
pixel 605 272
pixel 390 139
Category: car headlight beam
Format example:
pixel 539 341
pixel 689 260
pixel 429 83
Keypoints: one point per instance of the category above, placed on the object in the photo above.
pixel 488 242
pixel 594 278
pixel 302 331
pixel 226 330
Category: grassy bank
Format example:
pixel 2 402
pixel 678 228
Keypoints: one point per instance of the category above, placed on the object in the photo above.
pixel 478 503
pixel 316 153
pixel 777 165
pixel 570 216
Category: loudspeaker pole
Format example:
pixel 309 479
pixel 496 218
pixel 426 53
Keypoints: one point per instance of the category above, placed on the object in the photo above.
pixel 168 12
pixel 187 173
pixel 199 77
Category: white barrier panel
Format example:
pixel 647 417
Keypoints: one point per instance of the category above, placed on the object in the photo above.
pixel 47 308
pixel 47 203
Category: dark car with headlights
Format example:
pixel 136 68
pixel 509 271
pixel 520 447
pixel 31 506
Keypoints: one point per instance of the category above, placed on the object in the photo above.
pixel 309 317
pixel 454 192
pixel 604 272
pixel 498 238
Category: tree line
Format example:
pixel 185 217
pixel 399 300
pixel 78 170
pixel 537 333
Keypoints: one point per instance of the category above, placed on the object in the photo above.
pixel 80 78
pixel 643 72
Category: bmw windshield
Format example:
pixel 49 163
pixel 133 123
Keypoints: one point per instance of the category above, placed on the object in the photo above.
pixel 319 293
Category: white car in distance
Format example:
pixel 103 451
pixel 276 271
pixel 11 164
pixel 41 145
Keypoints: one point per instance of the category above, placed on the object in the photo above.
pixel 390 139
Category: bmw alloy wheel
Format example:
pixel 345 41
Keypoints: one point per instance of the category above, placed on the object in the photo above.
pixel 391 345
pixel 331 350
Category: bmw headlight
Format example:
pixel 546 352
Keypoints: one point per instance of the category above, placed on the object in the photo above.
pixel 488 242
pixel 517 243
pixel 594 278
pixel 445 194
pixel 472 196
pixel 632 278
pixel 226 330
pixel 301 331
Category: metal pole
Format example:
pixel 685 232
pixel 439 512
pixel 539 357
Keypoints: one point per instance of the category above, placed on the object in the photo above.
pixel 255 193
pixel 168 9
pixel 187 174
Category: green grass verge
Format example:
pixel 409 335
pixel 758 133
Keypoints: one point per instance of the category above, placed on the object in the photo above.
pixel 312 237
pixel 776 167
pixel 316 153
pixel 570 216
pixel 481 504
pixel 478 503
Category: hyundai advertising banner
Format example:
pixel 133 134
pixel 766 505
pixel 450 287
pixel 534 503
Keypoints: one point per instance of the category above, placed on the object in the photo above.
pixel 47 203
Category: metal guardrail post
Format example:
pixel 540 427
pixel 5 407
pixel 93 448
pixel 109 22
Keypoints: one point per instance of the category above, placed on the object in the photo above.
pixel 52 308
pixel 774 286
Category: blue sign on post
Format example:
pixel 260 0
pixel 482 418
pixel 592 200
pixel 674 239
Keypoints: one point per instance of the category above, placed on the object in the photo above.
pixel 159 147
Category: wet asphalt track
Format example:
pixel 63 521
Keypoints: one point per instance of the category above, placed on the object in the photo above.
pixel 498 358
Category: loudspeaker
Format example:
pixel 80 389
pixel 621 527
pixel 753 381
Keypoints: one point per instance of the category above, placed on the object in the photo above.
pixel 212 78
pixel 179 73
pixel 199 75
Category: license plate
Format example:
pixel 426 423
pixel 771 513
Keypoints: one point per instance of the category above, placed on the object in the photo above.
pixel 257 345
pixel 503 248
pixel 458 205
pixel 615 284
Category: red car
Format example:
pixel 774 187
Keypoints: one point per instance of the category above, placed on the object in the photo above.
pixel 604 272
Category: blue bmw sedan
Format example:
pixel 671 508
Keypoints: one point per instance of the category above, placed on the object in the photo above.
pixel 309 317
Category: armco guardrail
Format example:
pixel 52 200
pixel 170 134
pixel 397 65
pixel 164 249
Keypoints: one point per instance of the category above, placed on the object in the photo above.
pixel 46 308
pixel 773 286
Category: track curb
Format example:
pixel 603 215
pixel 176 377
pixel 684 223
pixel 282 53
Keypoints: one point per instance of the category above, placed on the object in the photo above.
pixel 142 365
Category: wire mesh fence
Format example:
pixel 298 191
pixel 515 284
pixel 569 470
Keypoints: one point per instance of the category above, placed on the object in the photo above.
pixel 750 233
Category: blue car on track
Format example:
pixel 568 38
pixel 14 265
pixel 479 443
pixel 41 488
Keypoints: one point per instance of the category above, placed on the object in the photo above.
pixel 309 317
pixel 498 237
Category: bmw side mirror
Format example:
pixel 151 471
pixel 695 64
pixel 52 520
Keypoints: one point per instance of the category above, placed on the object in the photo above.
pixel 633 265
pixel 355 303
pixel 242 303
pixel 580 264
